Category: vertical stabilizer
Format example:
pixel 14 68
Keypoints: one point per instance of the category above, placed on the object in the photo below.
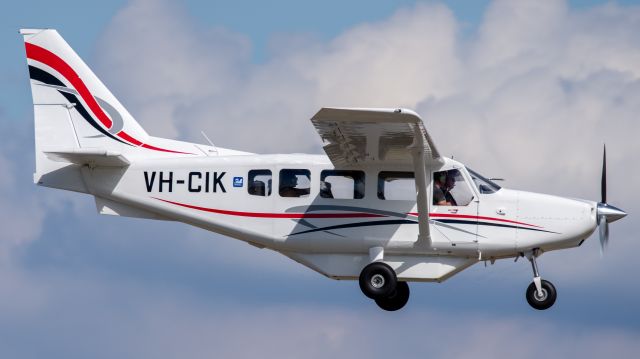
pixel 73 109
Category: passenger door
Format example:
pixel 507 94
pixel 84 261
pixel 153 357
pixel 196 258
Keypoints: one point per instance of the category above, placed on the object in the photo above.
pixel 454 209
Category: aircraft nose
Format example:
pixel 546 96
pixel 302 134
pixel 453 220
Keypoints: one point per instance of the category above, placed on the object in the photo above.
pixel 610 213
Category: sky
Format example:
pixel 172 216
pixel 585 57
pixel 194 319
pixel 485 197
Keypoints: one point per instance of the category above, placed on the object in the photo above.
pixel 527 91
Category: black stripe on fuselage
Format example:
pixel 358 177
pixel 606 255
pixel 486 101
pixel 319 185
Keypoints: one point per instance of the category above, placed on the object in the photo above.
pixel 359 224
pixel 46 78
pixel 406 221
pixel 460 221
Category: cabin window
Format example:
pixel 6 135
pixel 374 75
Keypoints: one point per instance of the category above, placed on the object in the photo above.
pixel 450 189
pixel 295 183
pixel 342 184
pixel 397 186
pixel 259 183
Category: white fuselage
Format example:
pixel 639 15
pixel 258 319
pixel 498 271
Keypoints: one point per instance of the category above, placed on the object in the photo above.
pixel 201 192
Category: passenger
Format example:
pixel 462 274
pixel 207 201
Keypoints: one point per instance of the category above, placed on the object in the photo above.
pixel 257 188
pixel 288 185
pixel 381 188
pixel 359 190
pixel 325 190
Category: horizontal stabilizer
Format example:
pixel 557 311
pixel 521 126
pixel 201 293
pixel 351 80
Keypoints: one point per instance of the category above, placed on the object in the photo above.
pixel 94 157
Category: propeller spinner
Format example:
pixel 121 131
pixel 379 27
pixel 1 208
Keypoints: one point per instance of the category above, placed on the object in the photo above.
pixel 606 213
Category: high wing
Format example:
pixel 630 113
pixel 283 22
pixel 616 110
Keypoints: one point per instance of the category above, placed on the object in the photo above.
pixel 377 137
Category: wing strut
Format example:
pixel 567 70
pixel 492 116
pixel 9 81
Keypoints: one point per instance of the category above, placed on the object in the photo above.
pixel 420 170
pixel 380 137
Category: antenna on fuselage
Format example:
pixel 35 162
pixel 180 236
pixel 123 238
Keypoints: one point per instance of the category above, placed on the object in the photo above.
pixel 207 138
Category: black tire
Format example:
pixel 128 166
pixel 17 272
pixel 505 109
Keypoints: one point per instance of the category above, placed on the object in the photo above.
pixel 378 280
pixel 548 298
pixel 397 300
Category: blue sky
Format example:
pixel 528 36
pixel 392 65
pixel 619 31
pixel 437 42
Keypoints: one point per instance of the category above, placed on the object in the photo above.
pixel 548 83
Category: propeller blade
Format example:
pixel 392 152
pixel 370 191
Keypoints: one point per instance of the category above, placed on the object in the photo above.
pixel 603 182
pixel 606 213
pixel 604 234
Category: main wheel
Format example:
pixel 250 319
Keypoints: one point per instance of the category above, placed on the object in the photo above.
pixel 378 280
pixel 397 299
pixel 544 301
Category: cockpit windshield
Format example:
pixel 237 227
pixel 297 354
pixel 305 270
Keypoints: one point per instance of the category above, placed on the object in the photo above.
pixel 485 186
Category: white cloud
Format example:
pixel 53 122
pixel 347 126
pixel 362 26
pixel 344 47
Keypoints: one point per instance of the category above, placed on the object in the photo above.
pixel 398 62
pixel 168 62
pixel 544 88
pixel 24 207
pixel 21 214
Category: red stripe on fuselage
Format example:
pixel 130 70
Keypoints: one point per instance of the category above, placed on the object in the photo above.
pixel 125 136
pixel 163 150
pixel 333 215
pixel 275 215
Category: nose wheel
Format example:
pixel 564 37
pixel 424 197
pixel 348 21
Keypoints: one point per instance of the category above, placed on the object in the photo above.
pixel 540 294
pixel 543 299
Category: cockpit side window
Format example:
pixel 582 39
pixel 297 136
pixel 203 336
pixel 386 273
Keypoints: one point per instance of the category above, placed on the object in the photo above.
pixel 484 185
pixel 450 189
pixel 295 183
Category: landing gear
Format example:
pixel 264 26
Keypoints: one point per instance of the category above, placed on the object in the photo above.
pixel 545 299
pixel 378 281
pixel 397 299
pixel 541 294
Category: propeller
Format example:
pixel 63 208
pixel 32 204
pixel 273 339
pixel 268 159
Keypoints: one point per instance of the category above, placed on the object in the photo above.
pixel 606 213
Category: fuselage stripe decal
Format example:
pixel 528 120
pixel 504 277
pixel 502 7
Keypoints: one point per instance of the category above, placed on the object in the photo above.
pixel 407 221
pixel 37 53
pixel 451 215
pixel 359 224
pixel 274 215
pixel 461 219
pixel 454 221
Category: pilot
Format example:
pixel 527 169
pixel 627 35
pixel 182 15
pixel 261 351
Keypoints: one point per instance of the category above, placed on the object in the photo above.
pixel 440 190
pixel 448 186
pixel 288 183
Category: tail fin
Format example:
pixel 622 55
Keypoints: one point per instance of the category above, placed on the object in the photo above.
pixel 74 110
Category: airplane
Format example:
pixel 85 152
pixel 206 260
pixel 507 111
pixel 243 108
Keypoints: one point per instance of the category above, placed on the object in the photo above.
pixel 382 206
